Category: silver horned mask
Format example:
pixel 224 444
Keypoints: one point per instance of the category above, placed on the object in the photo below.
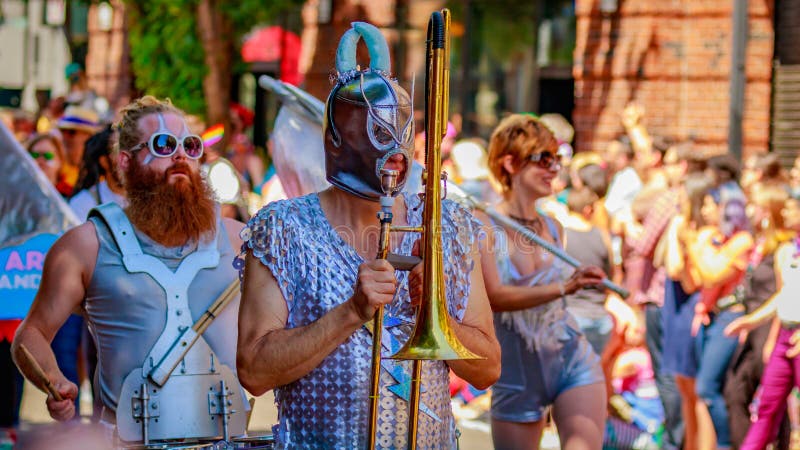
pixel 368 117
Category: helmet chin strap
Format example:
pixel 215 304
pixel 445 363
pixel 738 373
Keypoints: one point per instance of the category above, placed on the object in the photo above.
pixel 162 128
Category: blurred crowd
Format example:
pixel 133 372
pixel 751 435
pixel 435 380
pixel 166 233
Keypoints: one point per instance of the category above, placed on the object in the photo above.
pixel 693 236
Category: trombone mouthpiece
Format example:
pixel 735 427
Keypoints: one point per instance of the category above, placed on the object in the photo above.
pixel 436 30
pixel 389 181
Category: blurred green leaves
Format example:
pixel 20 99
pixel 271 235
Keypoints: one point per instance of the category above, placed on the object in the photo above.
pixel 509 26
pixel 166 54
pixel 166 51
pixel 506 26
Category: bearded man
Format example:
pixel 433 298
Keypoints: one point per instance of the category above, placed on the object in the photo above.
pixel 142 277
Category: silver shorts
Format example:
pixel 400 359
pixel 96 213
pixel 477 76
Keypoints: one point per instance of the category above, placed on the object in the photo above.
pixel 532 379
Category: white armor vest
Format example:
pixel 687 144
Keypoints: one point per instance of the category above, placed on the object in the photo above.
pixel 202 397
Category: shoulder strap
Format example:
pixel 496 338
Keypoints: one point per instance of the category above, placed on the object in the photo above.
pixel 120 227
pixel 551 225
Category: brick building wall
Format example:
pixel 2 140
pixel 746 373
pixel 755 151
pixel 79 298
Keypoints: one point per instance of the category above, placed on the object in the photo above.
pixel 674 58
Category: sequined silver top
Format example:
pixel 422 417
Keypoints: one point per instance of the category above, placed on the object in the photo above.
pixel 316 271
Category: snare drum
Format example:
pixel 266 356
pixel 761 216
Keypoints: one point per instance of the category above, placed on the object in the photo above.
pixel 171 446
pixel 266 442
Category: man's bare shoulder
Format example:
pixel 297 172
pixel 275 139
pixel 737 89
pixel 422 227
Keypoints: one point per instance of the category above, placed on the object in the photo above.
pixel 78 237
pixel 79 244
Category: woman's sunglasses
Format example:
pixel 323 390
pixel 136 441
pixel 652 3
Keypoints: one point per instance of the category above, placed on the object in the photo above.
pixel 164 145
pixel 545 160
pixel 46 155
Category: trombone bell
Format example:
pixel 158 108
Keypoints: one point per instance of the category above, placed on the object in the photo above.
pixel 433 338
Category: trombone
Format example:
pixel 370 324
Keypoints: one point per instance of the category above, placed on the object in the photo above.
pixel 432 338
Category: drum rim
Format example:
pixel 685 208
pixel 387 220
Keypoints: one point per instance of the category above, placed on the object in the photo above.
pixel 264 437
pixel 173 446
pixel 264 442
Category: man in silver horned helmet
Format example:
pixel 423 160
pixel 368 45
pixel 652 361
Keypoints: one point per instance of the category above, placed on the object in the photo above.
pixel 144 277
pixel 312 283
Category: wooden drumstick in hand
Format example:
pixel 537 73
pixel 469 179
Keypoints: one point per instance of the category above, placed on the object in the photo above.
pixel 43 379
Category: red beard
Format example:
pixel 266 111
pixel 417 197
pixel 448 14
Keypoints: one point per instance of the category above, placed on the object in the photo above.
pixel 170 214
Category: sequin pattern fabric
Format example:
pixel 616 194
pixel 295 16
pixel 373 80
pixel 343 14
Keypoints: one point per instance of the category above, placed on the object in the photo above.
pixel 316 271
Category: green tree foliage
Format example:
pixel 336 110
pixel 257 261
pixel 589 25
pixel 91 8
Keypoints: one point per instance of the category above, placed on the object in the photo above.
pixel 507 26
pixel 166 54
pixel 166 51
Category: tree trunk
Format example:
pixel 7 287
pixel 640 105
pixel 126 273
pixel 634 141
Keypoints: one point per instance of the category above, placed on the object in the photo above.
pixel 214 31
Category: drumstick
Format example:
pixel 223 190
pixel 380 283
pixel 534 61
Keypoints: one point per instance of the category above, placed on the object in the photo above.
pixel 37 369
pixel 170 359
pixel 219 304
pixel 252 402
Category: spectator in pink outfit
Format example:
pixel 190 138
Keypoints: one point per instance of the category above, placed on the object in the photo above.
pixel 782 372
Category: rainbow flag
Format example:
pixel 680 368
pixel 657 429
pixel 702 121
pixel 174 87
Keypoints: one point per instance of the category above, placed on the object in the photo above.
pixel 213 135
